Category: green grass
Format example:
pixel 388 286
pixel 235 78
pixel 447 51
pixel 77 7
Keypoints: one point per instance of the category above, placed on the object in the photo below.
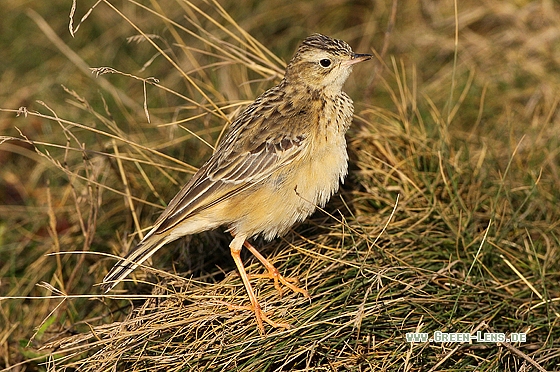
pixel 448 220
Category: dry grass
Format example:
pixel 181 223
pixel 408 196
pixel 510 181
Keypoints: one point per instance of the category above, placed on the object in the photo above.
pixel 448 220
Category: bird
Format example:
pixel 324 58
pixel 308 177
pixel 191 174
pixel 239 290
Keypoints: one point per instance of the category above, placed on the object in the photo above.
pixel 283 156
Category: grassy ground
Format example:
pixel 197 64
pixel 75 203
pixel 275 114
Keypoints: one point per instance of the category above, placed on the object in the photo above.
pixel 448 220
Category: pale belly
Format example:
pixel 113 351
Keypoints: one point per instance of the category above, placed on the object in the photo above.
pixel 288 197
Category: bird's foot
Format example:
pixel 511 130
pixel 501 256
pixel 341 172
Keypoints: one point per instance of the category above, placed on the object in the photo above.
pixel 260 315
pixel 274 274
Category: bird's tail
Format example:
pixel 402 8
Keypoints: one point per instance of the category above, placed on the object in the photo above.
pixel 144 250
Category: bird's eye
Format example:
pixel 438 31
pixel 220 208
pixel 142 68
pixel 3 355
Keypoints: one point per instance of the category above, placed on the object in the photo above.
pixel 325 62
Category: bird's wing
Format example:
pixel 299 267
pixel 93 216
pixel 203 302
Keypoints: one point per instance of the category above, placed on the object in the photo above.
pixel 263 139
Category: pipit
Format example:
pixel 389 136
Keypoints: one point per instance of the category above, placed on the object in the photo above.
pixel 283 156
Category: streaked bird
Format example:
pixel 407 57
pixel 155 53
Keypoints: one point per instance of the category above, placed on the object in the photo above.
pixel 283 156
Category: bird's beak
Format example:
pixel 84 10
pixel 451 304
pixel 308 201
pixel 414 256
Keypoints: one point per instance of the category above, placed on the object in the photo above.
pixel 356 58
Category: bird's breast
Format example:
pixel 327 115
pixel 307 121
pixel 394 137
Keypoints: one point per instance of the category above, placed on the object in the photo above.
pixel 325 163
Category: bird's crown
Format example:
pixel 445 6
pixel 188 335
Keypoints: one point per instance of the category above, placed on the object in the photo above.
pixel 328 44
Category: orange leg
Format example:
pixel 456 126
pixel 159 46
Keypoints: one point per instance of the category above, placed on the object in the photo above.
pixel 274 274
pixel 235 247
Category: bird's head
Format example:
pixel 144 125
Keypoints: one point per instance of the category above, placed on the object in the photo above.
pixel 322 63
